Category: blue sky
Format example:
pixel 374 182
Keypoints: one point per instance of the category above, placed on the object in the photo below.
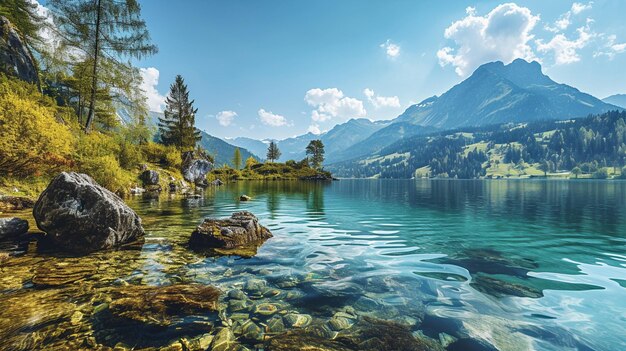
pixel 275 69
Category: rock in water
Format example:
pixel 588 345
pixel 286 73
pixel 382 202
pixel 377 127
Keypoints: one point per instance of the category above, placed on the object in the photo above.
pixel 160 305
pixel 217 182
pixel 241 229
pixel 149 177
pixel 11 227
pixel 79 215
pixel 195 169
pixel 244 198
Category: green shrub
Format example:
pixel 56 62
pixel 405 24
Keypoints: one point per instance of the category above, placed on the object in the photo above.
pixel 601 173
pixel 107 172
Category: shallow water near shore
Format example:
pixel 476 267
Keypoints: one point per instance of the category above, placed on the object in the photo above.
pixel 510 265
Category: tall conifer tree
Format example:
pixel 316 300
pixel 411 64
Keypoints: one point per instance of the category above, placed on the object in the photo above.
pixel 177 126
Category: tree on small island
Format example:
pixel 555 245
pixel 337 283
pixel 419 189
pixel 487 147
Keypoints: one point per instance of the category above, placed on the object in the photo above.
pixel 273 153
pixel 177 126
pixel 316 151
pixel 250 161
pixel 237 159
pixel 576 171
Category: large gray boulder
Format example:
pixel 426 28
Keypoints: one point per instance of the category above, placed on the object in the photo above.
pixel 12 227
pixel 15 57
pixel 149 177
pixel 241 230
pixel 195 169
pixel 79 215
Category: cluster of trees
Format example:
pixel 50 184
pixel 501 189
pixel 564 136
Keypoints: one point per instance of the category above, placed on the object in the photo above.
pixel 85 67
pixel 586 145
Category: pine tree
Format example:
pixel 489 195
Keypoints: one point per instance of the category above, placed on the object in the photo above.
pixel 104 33
pixel 237 159
pixel 177 127
pixel 273 153
pixel 316 151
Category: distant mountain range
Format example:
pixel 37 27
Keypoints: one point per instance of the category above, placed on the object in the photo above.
pixel 498 93
pixel 494 94
pixel 617 100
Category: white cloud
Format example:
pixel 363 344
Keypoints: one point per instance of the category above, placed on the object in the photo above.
pixel 565 20
pixel 610 48
pixel 392 50
pixel 331 103
pixel 565 50
pixel 578 7
pixel 381 101
pixel 225 118
pixel 503 34
pixel 315 129
pixel 150 79
pixel 272 119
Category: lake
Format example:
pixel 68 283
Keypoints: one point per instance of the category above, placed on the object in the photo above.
pixel 474 265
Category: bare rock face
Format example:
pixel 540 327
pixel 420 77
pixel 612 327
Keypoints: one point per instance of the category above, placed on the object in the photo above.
pixel 12 227
pixel 195 169
pixel 15 58
pixel 79 215
pixel 242 229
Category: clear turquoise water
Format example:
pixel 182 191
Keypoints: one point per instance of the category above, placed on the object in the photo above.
pixel 519 264
pixel 564 240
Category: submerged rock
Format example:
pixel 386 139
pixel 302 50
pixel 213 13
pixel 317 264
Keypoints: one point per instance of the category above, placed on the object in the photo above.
pixel 224 340
pixel 241 230
pixel 15 203
pixel 12 227
pixel 367 335
pixel 159 305
pixel 79 215
pixel 501 288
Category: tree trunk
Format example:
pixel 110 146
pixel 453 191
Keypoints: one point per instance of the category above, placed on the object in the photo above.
pixel 94 82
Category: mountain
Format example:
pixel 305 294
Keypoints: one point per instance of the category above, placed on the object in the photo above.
pixel 222 151
pixel 343 136
pixel 617 100
pixel 378 140
pixel 257 147
pixel 498 93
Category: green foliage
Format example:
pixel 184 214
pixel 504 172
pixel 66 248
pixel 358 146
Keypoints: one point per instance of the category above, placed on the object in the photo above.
pixel 576 171
pixel 23 15
pixel 109 32
pixel 106 170
pixel 168 156
pixel 32 139
pixel 623 173
pixel 315 150
pixel 601 173
pixel 267 171
pixel 237 159
pixel 177 127
pixel 273 153
pixel 250 161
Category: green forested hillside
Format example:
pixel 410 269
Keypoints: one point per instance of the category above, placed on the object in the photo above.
pixel 594 146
